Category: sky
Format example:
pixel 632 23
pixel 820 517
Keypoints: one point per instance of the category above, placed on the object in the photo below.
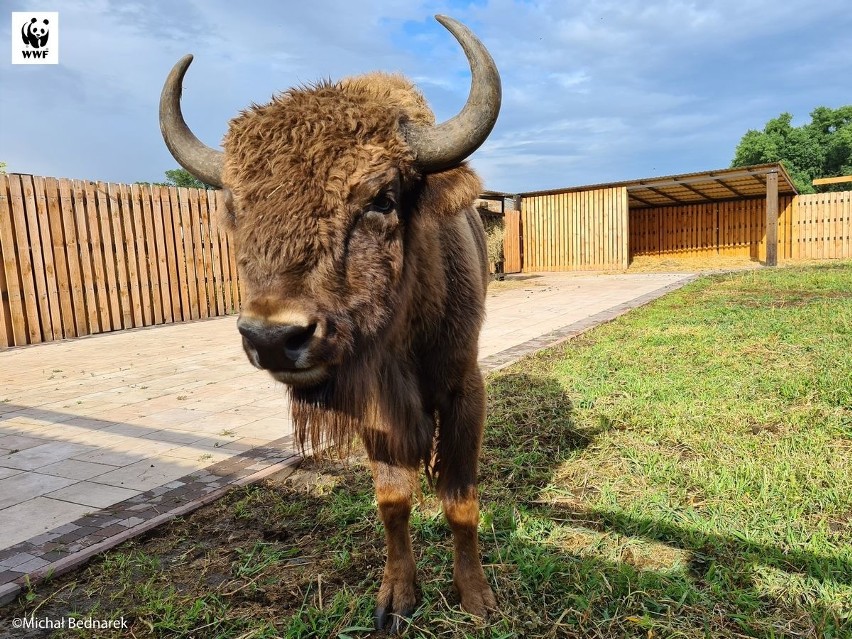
pixel 593 92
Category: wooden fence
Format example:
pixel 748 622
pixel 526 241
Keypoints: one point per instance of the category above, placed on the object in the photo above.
pixel 585 230
pixel 809 227
pixel 735 228
pixel 84 257
pixel 821 226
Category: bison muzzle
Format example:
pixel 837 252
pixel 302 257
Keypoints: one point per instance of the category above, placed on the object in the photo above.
pixel 364 270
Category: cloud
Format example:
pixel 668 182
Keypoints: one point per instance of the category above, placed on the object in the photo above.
pixel 593 92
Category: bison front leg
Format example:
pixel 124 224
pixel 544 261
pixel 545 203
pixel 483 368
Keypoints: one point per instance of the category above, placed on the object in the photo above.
pixel 462 419
pixel 397 594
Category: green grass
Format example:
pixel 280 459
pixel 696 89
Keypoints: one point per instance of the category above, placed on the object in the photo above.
pixel 685 471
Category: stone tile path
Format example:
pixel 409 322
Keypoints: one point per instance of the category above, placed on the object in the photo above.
pixel 102 438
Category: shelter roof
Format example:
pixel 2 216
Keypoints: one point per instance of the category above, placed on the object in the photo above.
pixel 694 188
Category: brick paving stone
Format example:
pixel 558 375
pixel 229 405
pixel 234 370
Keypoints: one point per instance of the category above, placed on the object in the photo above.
pixel 131 521
pixel 44 538
pixel 16 560
pixel 33 564
pixel 7 576
pixel 112 529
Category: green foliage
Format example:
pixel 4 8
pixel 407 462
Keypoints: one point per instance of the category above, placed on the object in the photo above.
pixel 2 168
pixel 820 148
pixel 181 177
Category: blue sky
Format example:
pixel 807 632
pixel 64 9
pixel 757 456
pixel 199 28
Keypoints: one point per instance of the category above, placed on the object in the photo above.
pixel 593 91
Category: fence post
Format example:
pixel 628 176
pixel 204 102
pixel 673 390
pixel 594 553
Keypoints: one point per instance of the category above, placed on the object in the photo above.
pixel 772 218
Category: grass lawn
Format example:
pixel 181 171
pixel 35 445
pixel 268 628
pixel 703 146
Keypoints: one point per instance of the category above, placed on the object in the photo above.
pixel 685 471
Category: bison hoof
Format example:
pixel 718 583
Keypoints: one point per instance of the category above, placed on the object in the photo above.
pixel 398 620
pixel 477 599
pixel 395 602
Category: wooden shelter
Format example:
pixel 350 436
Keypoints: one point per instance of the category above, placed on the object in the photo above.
pixel 738 211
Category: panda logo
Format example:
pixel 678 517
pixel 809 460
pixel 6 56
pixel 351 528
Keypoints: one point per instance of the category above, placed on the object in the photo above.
pixel 34 34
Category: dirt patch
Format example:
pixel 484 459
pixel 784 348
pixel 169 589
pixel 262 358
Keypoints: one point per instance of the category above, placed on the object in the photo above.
pixel 706 264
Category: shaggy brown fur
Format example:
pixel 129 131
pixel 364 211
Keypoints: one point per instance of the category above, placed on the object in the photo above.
pixel 397 295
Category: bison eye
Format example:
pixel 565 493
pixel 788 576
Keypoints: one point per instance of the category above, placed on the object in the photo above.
pixel 382 203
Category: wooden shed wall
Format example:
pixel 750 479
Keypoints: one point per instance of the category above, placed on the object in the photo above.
pixel 732 228
pixel 585 230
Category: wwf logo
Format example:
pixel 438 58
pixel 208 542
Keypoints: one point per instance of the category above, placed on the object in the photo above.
pixel 35 37
pixel 35 33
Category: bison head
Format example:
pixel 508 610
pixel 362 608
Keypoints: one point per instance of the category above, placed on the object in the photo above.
pixel 325 187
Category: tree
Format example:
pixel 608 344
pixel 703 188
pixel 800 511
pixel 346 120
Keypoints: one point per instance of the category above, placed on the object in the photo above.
pixel 181 177
pixel 820 148
pixel 2 168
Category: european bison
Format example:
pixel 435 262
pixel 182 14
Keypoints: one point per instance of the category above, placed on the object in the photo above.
pixel 365 269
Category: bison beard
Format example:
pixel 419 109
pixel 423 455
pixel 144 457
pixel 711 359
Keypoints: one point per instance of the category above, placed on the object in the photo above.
pixel 336 410
pixel 364 268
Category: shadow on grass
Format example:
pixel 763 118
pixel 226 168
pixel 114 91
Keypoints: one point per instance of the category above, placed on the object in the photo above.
pixel 612 573
pixel 303 556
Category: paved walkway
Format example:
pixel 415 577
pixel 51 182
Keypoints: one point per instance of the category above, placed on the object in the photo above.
pixel 105 437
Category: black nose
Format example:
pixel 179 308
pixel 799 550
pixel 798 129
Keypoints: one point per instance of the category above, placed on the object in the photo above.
pixel 276 347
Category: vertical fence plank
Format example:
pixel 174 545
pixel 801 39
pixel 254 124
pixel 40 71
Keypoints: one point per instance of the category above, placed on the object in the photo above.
pixel 99 256
pixel 529 248
pixel 151 261
pixel 171 229
pixel 121 260
pixel 140 244
pixel 576 231
pixel 194 265
pixel 183 238
pixel 131 264
pixel 207 282
pixel 108 246
pixel 558 235
pixel 37 256
pixel 12 266
pixel 75 275
pixel 60 257
pixel 837 213
pixel 215 273
pixel 548 233
pixel 795 229
pixel 186 234
pixel 525 230
pixel 222 243
pixel 22 241
pixel 84 238
pixel 51 284
pixel 162 264
pixel 534 228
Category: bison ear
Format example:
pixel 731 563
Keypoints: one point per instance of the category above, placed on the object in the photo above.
pixel 446 193
pixel 225 214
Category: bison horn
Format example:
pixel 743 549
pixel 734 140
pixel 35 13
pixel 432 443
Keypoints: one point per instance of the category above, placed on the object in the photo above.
pixel 193 155
pixel 447 144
